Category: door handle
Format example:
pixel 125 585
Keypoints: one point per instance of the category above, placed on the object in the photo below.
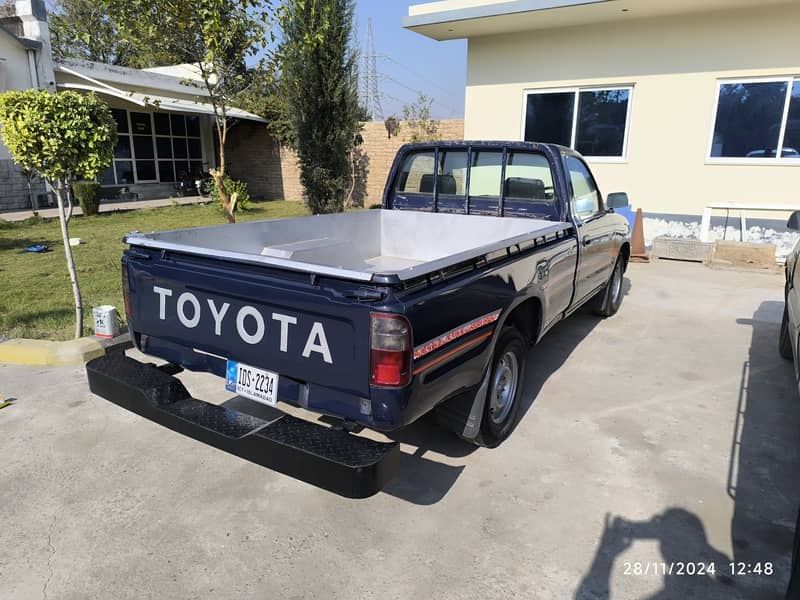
pixel 587 240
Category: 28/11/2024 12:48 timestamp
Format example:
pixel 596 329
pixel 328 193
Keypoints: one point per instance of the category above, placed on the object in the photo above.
pixel 689 568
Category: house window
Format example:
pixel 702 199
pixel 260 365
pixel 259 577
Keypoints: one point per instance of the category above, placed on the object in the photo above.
pixel 154 147
pixel 180 152
pixel 592 121
pixel 756 118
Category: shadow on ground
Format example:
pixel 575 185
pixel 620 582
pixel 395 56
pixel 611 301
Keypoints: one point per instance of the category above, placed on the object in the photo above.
pixel 762 481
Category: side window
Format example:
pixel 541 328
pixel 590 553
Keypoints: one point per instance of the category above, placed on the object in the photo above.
pixel 585 197
pixel 528 178
pixel 485 174
pixel 452 173
pixel 416 175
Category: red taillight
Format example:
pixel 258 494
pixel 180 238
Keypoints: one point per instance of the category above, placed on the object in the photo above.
pixel 390 350
pixel 126 293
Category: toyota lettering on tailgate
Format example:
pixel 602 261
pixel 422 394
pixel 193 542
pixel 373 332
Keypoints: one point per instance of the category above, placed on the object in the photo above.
pixel 250 324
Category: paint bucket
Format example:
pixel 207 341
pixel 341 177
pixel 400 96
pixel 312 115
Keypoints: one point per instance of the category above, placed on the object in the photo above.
pixel 105 321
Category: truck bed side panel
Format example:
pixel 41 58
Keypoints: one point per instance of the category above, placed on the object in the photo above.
pixel 456 309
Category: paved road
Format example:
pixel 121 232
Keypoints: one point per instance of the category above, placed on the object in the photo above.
pixel 670 434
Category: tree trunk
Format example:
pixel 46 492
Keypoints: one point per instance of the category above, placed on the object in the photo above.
pixel 73 274
pixel 228 202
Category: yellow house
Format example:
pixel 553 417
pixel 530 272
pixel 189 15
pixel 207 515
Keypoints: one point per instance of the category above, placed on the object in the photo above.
pixel 684 104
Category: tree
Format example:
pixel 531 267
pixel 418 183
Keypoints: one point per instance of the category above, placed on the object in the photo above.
pixel 59 136
pixel 86 29
pixel 215 35
pixel 418 119
pixel 319 83
pixel 262 96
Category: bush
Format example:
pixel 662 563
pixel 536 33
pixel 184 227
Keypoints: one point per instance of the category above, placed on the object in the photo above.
pixel 233 186
pixel 88 195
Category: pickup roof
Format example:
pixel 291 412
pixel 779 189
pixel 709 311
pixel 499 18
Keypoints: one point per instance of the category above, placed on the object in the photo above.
pixel 374 317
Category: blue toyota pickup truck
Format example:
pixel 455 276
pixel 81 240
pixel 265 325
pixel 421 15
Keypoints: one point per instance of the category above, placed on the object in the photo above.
pixel 374 317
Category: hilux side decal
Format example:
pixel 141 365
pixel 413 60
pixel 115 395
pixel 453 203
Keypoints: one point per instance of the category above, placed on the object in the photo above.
pixel 455 333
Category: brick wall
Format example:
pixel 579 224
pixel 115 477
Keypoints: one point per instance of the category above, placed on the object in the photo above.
pixel 272 173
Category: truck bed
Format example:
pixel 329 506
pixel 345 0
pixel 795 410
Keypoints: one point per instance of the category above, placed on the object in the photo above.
pixel 397 244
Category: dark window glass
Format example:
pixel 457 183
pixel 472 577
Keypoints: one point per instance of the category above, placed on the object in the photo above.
pixel 193 126
pixel 164 147
pixel 124 170
pixel 143 146
pixel 548 118
pixel 601 122
pixel 416 176
pixel 528 177
pixel 791 139
pixel 162 123
pixel 453 173
pixel 748 119
pixel 140 123
pixel 178 125
pixel 146 170
pixel 195 149
pixel 166 170
pixel 121 117
pixel 123 147
pixel 181 169
pixel 585 197
pixel 484 176
pixel 196 168
pixel 179 148
pixel 107 178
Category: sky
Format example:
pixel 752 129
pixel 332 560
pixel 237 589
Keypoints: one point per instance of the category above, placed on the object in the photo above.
pixel 409 63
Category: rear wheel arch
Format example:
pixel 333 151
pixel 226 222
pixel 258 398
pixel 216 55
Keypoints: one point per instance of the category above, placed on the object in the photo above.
pixel 625 253
pixel 526 317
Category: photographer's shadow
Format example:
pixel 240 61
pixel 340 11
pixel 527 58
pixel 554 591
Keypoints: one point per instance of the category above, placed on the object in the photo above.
pixel 682 541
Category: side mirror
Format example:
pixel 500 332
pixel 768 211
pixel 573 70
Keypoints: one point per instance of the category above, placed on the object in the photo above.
pixel 794 221
pixel 617 200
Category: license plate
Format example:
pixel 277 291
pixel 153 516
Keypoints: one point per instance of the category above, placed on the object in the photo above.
pixel 252 382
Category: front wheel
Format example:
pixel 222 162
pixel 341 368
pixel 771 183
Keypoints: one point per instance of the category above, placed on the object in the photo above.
pixel 785 340
pixel 609 298
pixel 505 387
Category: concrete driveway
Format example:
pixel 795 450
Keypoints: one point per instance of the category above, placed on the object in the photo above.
pixel 665 435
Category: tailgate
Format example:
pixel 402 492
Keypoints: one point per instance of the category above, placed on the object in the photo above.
pixel 252 315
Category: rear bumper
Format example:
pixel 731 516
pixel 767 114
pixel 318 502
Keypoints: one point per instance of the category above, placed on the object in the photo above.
pixel 331 459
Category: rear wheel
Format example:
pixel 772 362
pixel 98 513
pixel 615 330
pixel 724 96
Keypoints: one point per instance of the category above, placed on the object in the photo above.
pixel 785 340
pixel 505 387
pixel 609 299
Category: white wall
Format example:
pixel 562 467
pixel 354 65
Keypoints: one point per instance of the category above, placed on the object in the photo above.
pixel 16 74
pixel 673 64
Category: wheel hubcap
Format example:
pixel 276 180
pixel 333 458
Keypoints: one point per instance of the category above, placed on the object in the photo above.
pixel 504 387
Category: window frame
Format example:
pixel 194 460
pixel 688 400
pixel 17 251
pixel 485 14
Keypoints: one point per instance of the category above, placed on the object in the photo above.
pixel 576 90
pixel 790 80
pixel 153 140
pixel 601 203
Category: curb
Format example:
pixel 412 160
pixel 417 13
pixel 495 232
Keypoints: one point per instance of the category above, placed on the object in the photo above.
pixel 58 354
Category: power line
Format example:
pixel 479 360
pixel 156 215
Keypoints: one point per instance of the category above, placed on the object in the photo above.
pixel 417 91
pixel 415 73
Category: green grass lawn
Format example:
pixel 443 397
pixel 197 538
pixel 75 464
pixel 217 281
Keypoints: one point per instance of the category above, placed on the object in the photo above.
pixel 35 293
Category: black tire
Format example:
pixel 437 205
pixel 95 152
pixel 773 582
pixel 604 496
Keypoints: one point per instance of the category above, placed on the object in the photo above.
pixel 501 408
pixel 784 340
pixel 609 299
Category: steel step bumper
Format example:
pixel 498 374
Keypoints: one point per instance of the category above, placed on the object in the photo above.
pixel 331 459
